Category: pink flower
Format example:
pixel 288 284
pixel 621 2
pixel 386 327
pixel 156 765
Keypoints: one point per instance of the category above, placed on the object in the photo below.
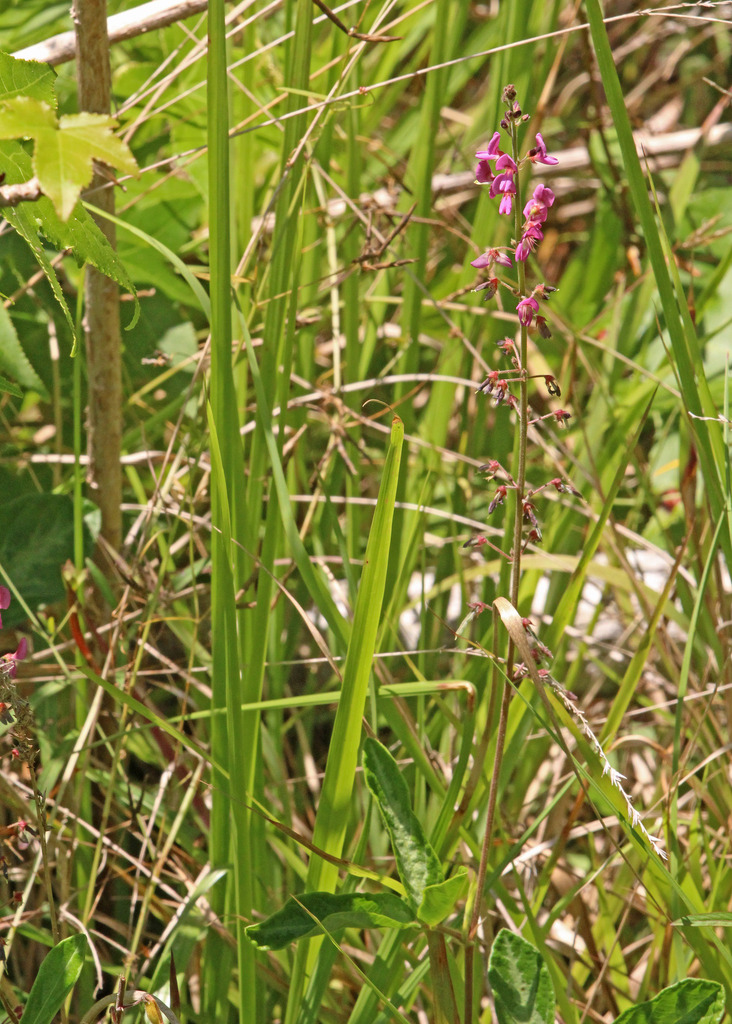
pixel 483 173
pixel 11 660
pixel 503 183
pixel 505 163
pixel 537 207
pixel 526 309
pixel 489 257
pixel 498 498
pixel 539 154
pixel 506 204
pixel 531 236
pixel 491 151
pixel 4 600
pixel 489 383
pixel 523 250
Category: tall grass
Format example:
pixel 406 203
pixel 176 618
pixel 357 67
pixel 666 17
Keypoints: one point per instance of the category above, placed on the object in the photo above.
pixel 296 569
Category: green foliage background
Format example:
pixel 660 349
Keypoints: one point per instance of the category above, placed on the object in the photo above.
pixel 334 270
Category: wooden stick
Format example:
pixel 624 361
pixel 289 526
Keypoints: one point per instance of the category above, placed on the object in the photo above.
pixel 126 25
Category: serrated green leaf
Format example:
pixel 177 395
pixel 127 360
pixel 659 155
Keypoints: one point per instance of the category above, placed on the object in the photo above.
pixel 56 977
pixel 344 910
pixel 26 118
pixel 79 233
pixel 22 218
pixel 15 164
pixel 520 981
pixel 692 1001
pixel 417 863
pixel 439 900
pixel 9 388
pixel 13 359
pixel 26 78
pixel 65 148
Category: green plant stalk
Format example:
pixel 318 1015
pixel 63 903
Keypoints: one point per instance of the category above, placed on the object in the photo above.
pixel 227 512
pixel 465 806
pixel 264 458
pixel 82 789
pixel 445 1006
pixel 340 769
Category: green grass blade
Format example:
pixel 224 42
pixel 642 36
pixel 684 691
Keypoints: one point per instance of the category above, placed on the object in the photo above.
pixel 340 770
pixel 695 392
pixel 330 826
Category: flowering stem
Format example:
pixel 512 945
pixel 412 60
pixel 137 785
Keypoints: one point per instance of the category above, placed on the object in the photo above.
pixel 520 474
pixel 520 480
pixel 519 477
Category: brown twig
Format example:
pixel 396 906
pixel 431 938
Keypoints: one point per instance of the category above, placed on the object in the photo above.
pixel 363 36
pixel 24 191
pixel 125 25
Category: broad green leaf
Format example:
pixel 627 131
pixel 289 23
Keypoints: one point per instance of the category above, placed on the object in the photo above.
pixel 36 539
pixel 300 918
pixel 26 78
pixel 13 359
pixel 65 147
pixel 520 980
pixel 439 900
pixel 417 862
pixel 692 1001
pixel 56 977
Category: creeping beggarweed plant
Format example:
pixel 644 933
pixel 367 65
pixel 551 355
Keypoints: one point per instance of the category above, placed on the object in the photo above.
pixel 500 170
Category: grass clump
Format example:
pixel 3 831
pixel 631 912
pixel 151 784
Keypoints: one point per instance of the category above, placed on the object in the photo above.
pixel 414 652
